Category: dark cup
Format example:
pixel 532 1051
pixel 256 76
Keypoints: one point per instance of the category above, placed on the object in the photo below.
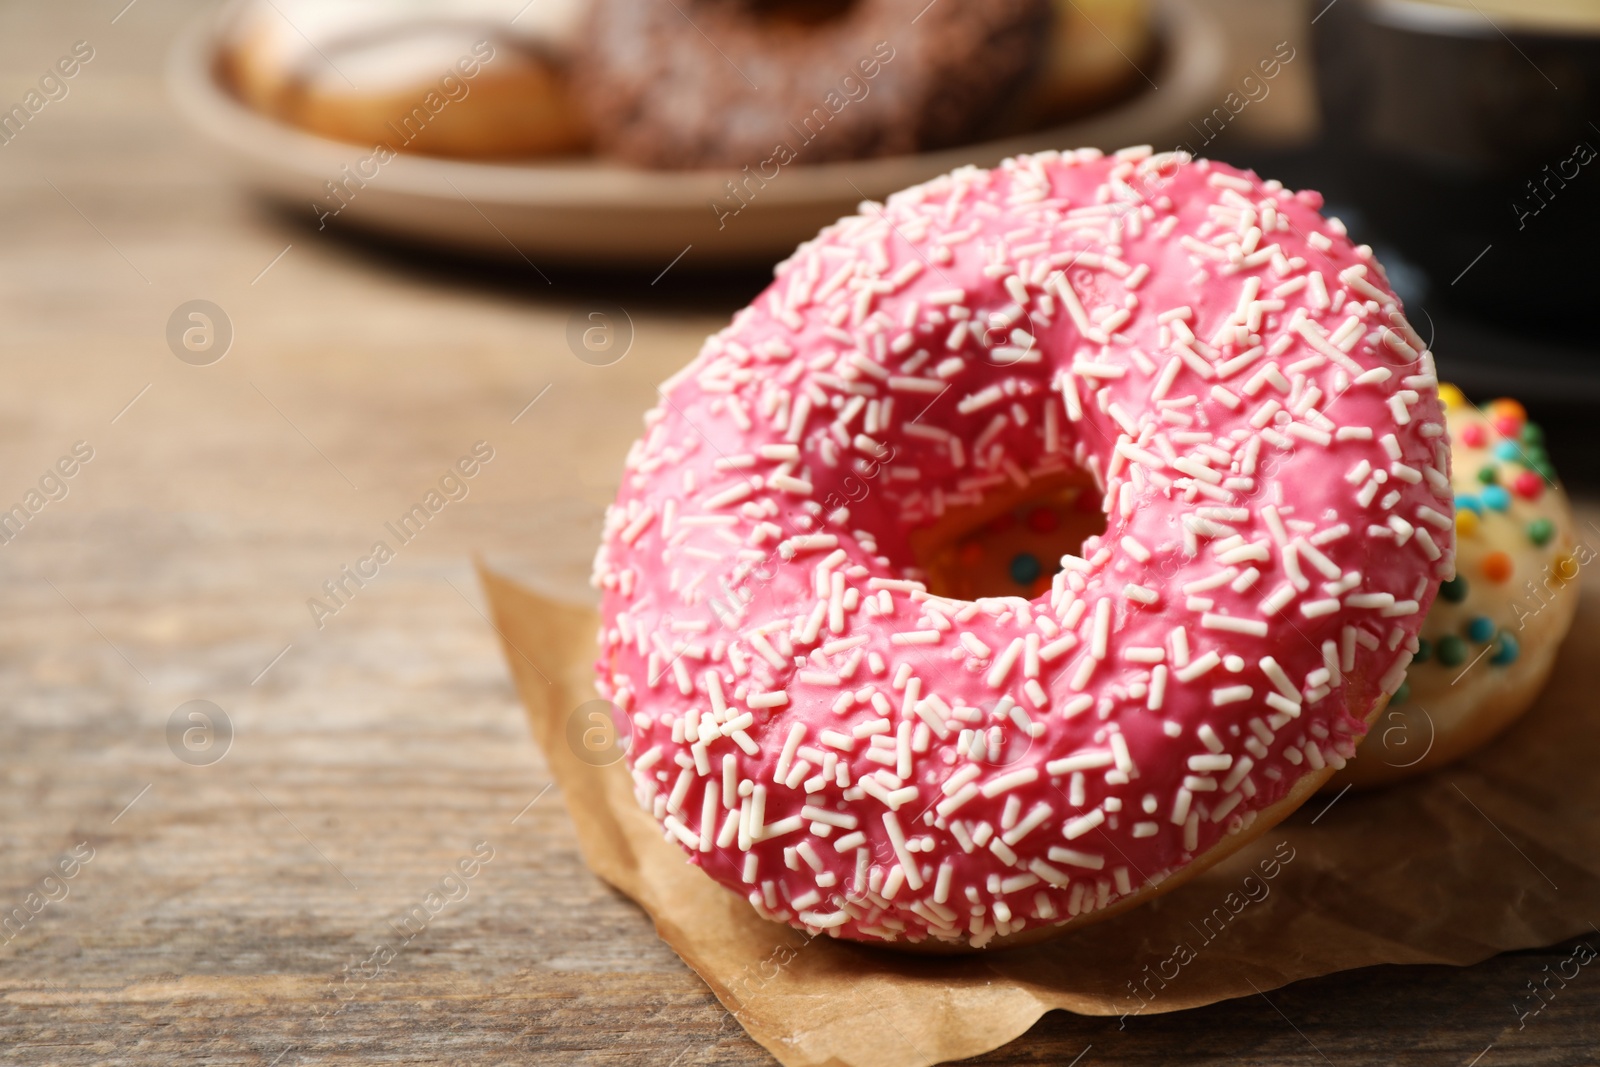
pixel 1469 141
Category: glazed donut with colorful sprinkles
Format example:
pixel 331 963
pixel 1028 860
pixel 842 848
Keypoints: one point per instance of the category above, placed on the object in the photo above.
pixel 857 750
pixel 1490 640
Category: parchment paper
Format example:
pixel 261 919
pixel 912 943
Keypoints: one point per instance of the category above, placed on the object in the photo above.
pixel 1499 852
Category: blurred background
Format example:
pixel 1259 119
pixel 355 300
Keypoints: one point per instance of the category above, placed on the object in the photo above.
pixel 616 141
pixel 276 272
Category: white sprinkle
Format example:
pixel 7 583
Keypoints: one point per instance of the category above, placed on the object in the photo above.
pixel 1081 761
pixel 1435 518
pixel 1289 708
pixel 908 862
pixel 1134 548
pixel 941 887
pixel 1219 180
pixel 790 484
pixel 1158 688
pixel 1100 635
pixel 1076 828
pixel 972 644
pixel 1056 648
pixel 1200 666
pixel 1077 705
pixel 1278 599
pixel 1077 858
pixel 905 384
pixel 806 543
pixel 730 495
pixel 950 804
pixel 1276 675
pixel 981 399
pixel 1003 663
pixel 1317 608
pixel 1180 806
pixel 797 734
pixel 1124 758
pixel 1007 782
pixel 897 585
pixel 1253 627
pixel 960 778
pixel 634 529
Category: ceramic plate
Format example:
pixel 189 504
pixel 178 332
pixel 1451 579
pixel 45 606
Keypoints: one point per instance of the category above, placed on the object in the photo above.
pixel 587 211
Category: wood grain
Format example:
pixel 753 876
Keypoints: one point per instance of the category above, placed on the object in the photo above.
pixel 226 905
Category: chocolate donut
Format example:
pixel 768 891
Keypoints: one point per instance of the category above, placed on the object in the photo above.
pixel 700 83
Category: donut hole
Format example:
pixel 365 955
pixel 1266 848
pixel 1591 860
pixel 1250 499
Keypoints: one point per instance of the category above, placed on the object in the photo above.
pixel 1011 543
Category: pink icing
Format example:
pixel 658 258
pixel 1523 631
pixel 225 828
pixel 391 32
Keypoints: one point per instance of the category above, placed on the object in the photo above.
pixel 857 756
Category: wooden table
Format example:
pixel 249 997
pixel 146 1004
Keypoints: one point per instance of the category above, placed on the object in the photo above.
pixel 229 910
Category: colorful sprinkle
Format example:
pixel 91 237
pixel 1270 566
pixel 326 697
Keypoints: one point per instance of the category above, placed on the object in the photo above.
pixel 1497 566
pixel 1402 694
pixel 1042 520
pixel 1455 590
pixel 1506 408
pixel 1025 568
pixel 1506 426
pixel 1505 651
pixel 1424 651
pixel 1451 395
pixel 1528 485
pixel 1472 503
pixel 1488 474
pixel 1539 531
pixel 1507 451
pixel 1452 651
pixel 1495 497
pixel 1466 523
pixel 1532 434
pixel 971 554
pixel 1480 628
pixel 1473 435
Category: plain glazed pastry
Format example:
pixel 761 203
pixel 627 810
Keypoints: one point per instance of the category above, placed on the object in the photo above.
pixel 1097 51
pixel 477 79
pixel 742 83
pixel 856 750
pixel 1491 638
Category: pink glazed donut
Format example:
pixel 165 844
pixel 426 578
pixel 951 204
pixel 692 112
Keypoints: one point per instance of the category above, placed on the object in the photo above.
pixel 859 755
